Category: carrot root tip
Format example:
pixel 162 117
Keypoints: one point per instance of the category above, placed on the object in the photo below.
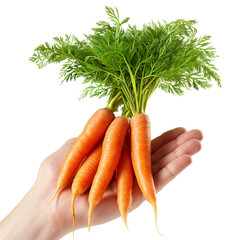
pixel 154 205
pixel 90 213
pixel 124 218
pixel 73 213
pixel 54 195
pixel 125 222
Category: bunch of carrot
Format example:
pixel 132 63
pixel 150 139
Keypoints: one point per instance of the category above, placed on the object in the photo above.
pixel 126 66
pixel 108 144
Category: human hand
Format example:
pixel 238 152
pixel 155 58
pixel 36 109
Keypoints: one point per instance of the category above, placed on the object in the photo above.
pixel 171 153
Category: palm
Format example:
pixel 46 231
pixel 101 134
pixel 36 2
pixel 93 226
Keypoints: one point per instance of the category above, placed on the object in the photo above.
pixel 171 153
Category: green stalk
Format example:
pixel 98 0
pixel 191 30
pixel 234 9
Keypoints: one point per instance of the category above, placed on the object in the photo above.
pixel 127 94
pixel 147 92
pixel 149 83
pixel 114 104
pixel 133 80
pixel 141 96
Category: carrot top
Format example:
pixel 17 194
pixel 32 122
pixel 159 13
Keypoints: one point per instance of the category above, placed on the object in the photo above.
pixel 129 64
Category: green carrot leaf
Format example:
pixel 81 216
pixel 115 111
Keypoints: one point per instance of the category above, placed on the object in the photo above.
pixel 127 65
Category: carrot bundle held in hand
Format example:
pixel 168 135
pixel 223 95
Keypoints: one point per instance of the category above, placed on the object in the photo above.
pixel 126 66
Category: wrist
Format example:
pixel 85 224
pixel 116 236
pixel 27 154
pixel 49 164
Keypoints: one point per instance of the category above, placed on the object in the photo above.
pixel 23 222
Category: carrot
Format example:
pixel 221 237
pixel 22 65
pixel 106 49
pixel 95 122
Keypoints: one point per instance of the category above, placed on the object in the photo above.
pixel 125 181
pixel 111 152
pixel 93 131
pixel 84 177
pixel 141 157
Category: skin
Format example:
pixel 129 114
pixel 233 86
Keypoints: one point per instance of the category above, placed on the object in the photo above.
pixel 171 153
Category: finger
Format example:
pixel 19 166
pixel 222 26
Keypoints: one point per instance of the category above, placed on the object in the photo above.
pixel 172 145
pixel 166 137
pixel 170 171
pixel 190 147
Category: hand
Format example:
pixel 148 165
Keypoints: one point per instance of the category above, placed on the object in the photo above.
pixel 171 153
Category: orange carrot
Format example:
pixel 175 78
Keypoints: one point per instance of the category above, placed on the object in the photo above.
pixel 84 177
pixel 141 157
pixel 125 181
pixel 93 131
pixel 111 152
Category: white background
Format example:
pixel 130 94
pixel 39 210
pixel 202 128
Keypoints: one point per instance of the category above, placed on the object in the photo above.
pixel 38 114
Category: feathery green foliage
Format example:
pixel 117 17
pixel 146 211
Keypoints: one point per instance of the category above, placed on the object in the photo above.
pixel 128 65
